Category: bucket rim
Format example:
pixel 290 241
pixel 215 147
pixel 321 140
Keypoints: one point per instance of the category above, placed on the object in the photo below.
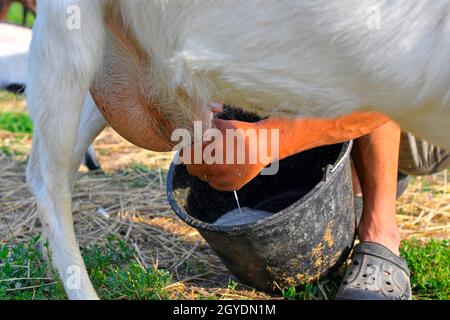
pixel 329 175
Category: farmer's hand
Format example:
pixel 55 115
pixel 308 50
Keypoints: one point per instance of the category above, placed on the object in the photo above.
pixel 295 135
pixel 229 175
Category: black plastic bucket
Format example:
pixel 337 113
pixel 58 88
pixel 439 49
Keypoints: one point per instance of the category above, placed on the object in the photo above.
pixel 310 234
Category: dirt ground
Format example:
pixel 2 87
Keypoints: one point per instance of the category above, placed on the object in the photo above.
pixel 130 202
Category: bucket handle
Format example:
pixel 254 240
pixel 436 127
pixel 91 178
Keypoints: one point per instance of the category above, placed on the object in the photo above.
pixel 330 169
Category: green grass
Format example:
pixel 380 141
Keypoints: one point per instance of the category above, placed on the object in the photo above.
pixel 15 15
pixel 14 147
pixel 429 266
pixel 116 274
pixel 113 269
pixel 320 290
pixel 428 263
pixel 16 122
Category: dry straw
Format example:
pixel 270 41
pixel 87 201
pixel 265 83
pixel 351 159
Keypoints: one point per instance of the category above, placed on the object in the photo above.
pixel 132 205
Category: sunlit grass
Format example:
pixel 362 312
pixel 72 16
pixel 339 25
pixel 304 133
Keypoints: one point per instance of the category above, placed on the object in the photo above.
pixel 116 273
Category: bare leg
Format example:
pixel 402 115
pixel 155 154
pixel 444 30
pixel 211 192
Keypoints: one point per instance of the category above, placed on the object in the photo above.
pixel 376 159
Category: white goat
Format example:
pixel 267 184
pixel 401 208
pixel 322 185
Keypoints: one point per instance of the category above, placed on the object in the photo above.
pixel 316 58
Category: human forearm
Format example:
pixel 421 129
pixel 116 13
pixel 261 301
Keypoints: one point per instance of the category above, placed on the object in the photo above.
pixel 297 135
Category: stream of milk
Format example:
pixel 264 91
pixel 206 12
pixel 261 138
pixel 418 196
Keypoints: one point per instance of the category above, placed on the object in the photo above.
pixel 240 216
pixel 245 216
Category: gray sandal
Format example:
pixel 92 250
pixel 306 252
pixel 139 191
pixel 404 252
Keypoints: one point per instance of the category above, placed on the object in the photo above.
pixel 375 273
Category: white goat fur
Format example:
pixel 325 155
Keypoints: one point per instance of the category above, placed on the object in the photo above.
pixel 308 58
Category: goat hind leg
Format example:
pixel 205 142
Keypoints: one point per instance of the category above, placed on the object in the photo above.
pixel 92 123
pixel 55 101
pixel 50 176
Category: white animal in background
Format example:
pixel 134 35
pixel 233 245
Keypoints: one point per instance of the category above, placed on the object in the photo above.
pixel 14 49
pixel 315 58
pixel 14 46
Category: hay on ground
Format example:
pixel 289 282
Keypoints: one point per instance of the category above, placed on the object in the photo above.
pixel 132 205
